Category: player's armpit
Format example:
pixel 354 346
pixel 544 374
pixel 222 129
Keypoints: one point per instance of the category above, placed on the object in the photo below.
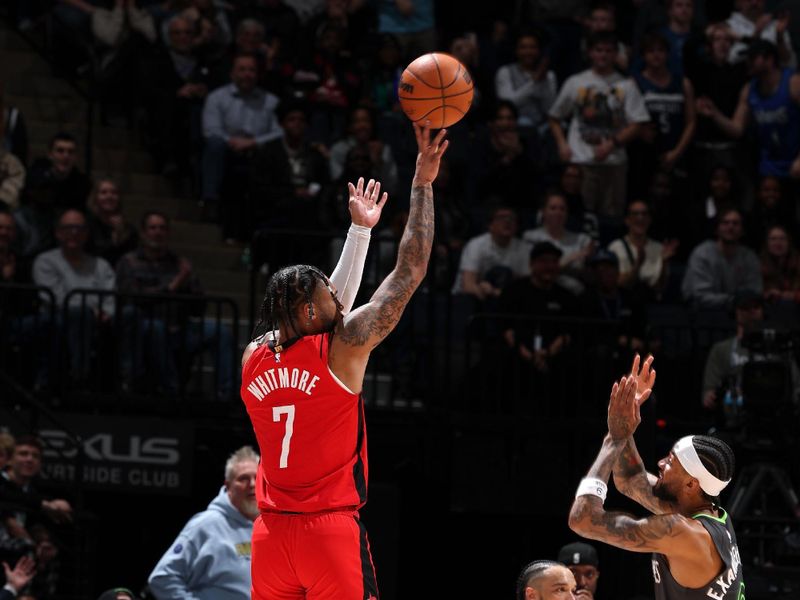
pixel 658 533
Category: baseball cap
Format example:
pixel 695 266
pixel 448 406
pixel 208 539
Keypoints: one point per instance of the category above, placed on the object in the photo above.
pixel 578 553
pixel 746 299
pixel 604 256
pixel 544 249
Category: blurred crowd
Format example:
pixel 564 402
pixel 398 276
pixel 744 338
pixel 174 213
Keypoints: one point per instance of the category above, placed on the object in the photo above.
pixel 613 158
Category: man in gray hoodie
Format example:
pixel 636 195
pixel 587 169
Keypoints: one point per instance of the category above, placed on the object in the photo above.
pixel 210 558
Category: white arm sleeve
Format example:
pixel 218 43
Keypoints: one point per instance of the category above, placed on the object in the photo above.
pixel 347 274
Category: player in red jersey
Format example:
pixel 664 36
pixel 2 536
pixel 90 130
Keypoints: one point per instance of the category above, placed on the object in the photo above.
pixel 301 385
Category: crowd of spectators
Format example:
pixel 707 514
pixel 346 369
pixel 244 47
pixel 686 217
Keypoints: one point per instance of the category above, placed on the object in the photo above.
pixel 657 147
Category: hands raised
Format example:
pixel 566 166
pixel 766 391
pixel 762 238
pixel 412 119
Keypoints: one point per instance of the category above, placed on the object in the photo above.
pixel 627 395
pixel 365 208
pixel 645 378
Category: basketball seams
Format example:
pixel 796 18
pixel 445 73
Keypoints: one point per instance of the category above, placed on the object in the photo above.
pixel 443 111
pixel 456 95
pixel 428 98
pixel 441 83
pixel 435 87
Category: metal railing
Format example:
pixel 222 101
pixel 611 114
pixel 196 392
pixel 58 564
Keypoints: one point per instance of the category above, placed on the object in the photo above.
pixel 103 344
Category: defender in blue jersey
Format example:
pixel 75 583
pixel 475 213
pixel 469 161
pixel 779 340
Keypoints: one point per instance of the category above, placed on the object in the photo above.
pixel 695 555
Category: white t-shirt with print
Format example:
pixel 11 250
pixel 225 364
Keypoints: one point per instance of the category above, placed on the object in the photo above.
pixel 481 254
pixel 599 107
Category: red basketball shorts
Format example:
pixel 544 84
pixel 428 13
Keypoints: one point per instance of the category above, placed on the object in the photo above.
pixel 317 556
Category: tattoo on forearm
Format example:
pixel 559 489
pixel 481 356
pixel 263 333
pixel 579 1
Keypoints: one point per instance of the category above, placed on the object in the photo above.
pixel 393 295
pixel 621 529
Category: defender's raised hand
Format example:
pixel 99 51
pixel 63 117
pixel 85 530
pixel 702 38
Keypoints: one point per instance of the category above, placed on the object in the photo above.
pixel 365 205
pixel 429 153
pixel 645 378
pixel 623 412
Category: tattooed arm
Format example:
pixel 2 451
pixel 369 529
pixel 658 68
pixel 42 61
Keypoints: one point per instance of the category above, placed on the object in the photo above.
pixel 587 516
pixel 631 478
pixel 589 519
pixel 367 326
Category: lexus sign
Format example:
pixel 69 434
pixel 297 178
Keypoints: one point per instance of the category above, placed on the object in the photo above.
pixel 131 454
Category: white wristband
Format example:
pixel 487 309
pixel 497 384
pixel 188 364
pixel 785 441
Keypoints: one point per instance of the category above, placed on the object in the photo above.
pixel 590 486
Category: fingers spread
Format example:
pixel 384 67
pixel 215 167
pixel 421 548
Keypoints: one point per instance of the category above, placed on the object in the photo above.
pixel 376 192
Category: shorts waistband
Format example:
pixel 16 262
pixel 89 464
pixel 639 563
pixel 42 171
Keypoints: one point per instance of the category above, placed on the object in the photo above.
pixel 309 513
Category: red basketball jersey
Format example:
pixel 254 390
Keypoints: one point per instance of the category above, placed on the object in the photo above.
pixel 310 430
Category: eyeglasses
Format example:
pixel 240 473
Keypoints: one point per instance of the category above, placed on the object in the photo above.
pixel 638 213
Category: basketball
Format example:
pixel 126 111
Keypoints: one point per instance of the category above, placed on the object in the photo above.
pixel 436 87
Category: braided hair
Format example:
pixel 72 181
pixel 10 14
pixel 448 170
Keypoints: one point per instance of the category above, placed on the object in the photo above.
pixel 716 456
pixel 531 572
pixel 285 289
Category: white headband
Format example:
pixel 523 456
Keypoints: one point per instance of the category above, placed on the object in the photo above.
pixel 687 455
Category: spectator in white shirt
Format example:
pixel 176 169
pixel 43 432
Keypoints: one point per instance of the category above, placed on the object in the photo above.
pixel 750 21
pixel 528 82
pixel 491 259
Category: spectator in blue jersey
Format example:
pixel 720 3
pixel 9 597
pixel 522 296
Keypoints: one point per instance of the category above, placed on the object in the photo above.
pixel 669 99
pixel 412 22
pixel 773 99
pixel 210 559
pixel 677 32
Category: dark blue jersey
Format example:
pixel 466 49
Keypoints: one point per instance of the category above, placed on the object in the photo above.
pixel 777 119
pixel 726 585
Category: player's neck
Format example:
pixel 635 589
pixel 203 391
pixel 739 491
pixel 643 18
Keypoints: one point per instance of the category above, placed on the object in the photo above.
pixel 699 507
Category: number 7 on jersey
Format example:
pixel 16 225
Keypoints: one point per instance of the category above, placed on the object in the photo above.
pixel 288 410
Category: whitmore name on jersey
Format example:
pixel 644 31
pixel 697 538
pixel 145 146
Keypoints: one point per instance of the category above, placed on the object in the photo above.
pixel 284 377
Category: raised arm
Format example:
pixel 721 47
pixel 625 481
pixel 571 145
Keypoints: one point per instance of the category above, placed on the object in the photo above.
pixel 367 326
pixel 365 205
pixel 733 127
pixel 588 517
pixel 630 476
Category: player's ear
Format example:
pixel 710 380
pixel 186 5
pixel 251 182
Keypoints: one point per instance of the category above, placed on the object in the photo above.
pixel 531 593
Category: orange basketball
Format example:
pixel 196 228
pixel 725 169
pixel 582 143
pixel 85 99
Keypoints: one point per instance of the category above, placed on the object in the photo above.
pixel 436 87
